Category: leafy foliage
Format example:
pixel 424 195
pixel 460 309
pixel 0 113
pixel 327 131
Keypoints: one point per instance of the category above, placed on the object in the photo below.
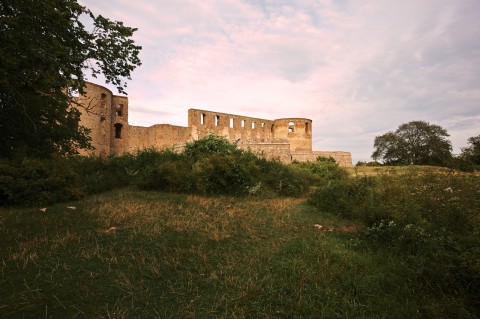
pixel 207 166
pixel 472 153
pixel 208 145
pixel 212 165
pixel 416 142
pixel 38 181
pixel 45 50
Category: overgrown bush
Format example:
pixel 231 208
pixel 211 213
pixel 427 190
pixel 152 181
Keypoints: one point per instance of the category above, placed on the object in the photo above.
pixel 323 170
pixel 208 145
pixel 38 181
pixel 169 175
pixel 210 165
pixel 432 219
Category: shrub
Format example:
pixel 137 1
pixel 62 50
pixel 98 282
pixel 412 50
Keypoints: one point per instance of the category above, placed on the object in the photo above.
pixel 210 144
pixel 174 176
pixel 375 163
pixel 38 181
pixel 222 174
pixel 343 196
pixel 285 180
pixel 323 171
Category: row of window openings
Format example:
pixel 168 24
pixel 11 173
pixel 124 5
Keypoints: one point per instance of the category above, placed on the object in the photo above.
pixel 118 108
pixel 232 121
pixel 291 125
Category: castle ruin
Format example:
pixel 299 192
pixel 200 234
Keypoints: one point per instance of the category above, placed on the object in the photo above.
pixel 287 139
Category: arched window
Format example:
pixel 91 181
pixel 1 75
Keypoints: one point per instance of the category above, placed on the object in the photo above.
pixel 291 127
pixel 118 130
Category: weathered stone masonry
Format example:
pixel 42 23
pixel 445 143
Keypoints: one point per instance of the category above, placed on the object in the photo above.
pixel 286 139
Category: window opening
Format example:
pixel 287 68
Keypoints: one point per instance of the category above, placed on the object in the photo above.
pixel 253 125
pixel 118 130
pixel 217 120
pixel 243 123
pixel 202 119
pixel 291 127
pixel 307 128
pixel 232 121
pixel 263 124
pixel 119 110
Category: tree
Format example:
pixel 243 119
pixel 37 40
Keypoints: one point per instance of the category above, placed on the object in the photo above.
pixel 45 48
pixel 472 152
pixel 416 142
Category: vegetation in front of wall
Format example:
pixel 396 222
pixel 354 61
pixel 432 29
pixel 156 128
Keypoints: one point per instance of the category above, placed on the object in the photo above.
pixel 429 219
pixel 209 166
pixel 213 166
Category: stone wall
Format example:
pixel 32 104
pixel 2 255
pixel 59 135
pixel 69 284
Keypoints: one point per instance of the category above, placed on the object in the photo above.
pixel 159 137
pixel 277 149
pixel 96 115
pixel 231 126
pixel 297 131
pixel 343 159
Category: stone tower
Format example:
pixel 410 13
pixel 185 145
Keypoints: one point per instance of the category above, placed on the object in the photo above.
pixel 107 117
pixel 298 132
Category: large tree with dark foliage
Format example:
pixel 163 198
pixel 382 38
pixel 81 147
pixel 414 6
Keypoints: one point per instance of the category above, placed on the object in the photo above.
pixel 472 153
pixel 416 142
pixel 44 50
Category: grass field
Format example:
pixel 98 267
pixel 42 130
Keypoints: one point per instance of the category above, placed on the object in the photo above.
pixel 132 254
pixel 377 170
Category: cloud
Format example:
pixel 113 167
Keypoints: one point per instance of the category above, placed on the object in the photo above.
pixel 357 69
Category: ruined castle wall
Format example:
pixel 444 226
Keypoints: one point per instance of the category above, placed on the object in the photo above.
pixel 119 127
pixel 233 127
pixel 159 137
pixel 298 131
pixel 277 149
pixel 96 115
pixel 344 159
pixel 283 139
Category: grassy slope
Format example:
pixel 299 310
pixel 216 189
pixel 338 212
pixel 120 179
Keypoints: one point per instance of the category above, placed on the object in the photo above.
pixel 377 170
pixel 180 256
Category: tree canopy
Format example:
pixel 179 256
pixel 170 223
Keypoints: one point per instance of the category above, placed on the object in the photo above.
pixel 416 142
pixel 45 50
pixel 472 153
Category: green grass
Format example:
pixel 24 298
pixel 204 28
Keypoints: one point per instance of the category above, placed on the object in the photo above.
pixel 406 169
pixel 133 254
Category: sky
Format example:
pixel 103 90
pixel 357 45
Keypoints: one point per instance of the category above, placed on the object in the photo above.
pixel 358 69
